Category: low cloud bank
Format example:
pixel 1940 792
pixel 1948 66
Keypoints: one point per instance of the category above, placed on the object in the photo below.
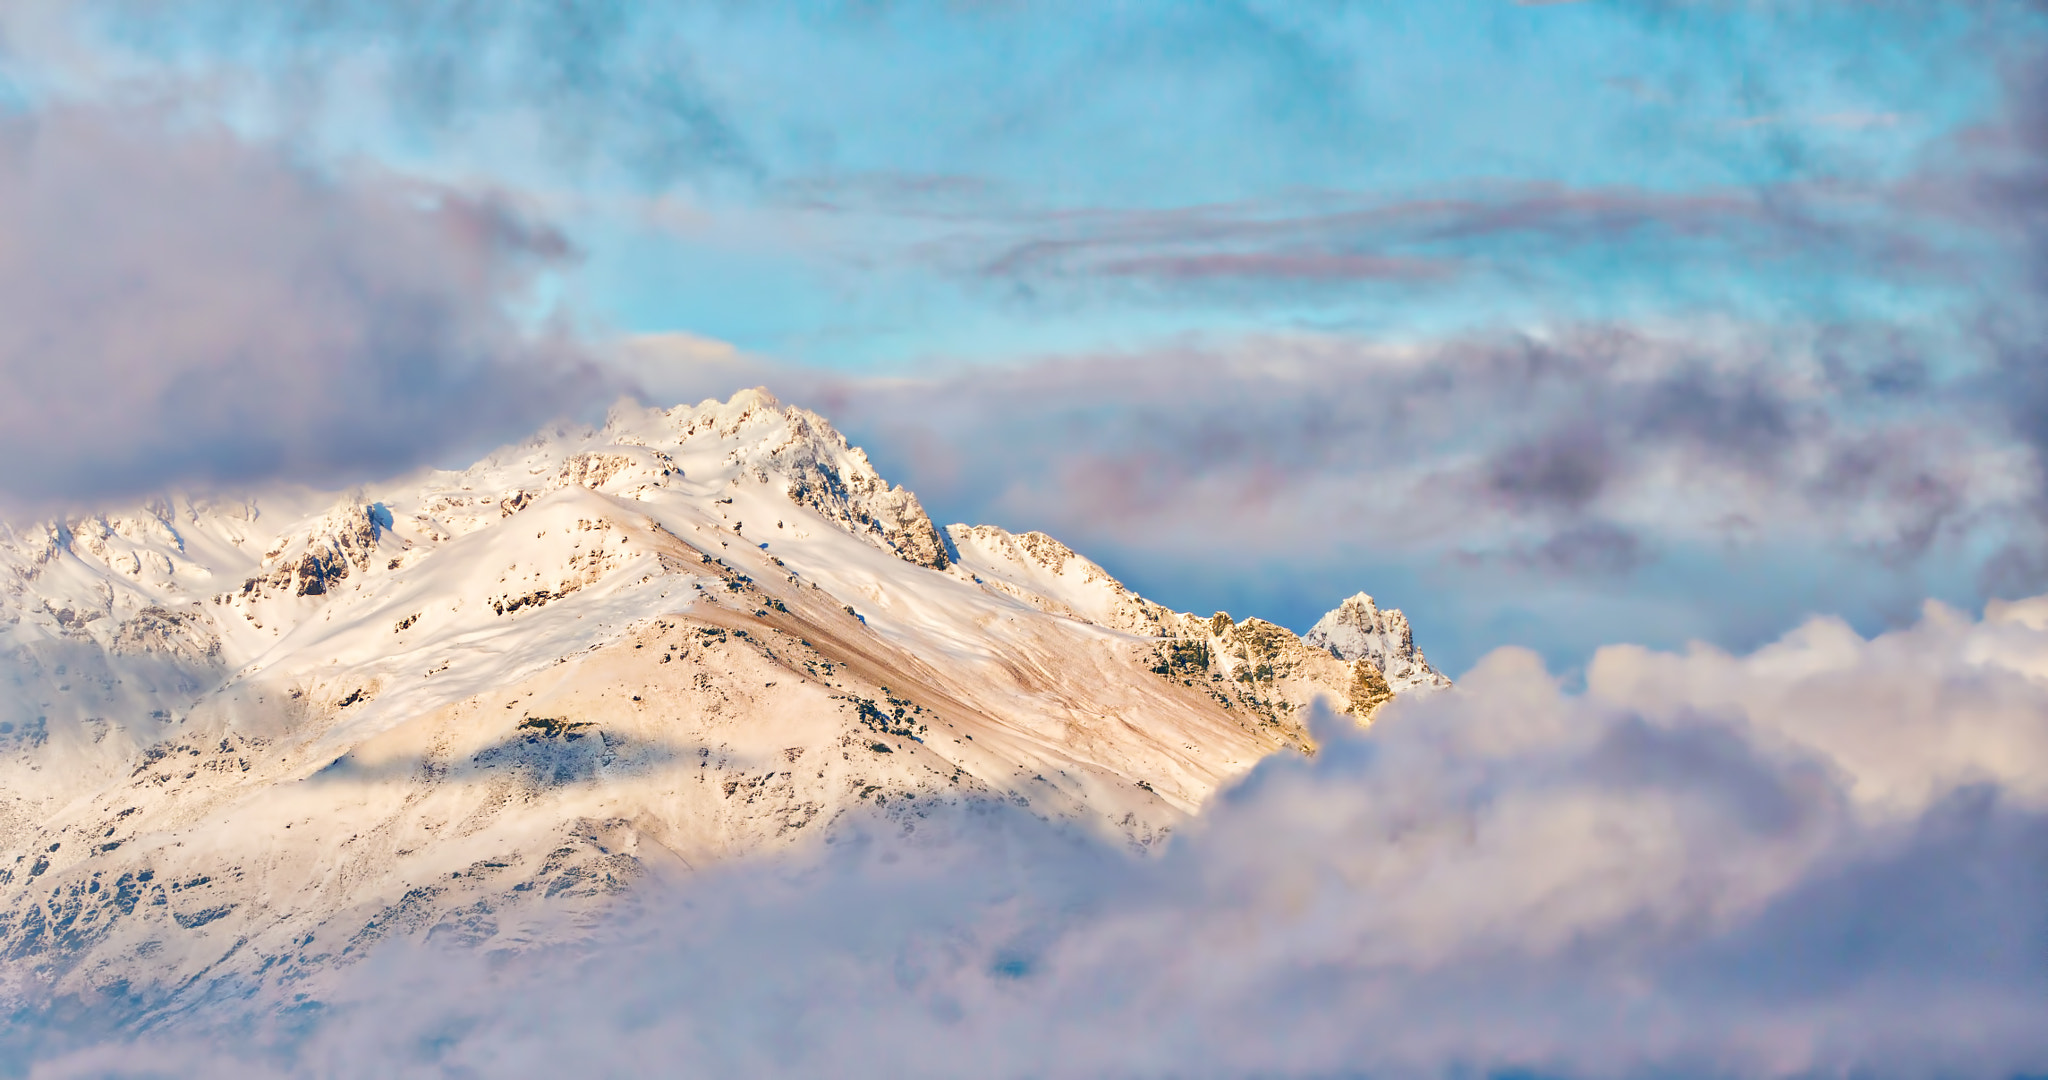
pixel 1824 857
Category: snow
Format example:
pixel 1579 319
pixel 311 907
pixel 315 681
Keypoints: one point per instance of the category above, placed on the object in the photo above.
pixel 443 703
pixel 1358 630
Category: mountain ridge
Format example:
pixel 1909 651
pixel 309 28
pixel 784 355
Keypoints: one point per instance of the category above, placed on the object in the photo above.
pixel 247 738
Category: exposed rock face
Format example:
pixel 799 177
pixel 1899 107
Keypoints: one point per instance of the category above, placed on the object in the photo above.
pixel 237 752
pixel 1052 577
pixel 1253 667
pixel 821 472
pixel 1358 630
pixel 1262 667
pixel 1368 690
pixel 183 635
pixel 903 524
pixel 322 555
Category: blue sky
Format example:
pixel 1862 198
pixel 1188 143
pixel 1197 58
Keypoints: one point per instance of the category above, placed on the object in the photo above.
pixel 1582 330
pixel 1805 211
pixel 837 185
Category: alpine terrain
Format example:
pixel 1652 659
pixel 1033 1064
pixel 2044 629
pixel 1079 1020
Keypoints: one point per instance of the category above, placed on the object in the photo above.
pixel 245 739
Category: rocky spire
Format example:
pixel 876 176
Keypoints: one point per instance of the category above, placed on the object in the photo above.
pixel 1358 630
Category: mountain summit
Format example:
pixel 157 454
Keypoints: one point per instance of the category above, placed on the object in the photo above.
pixel 1359 630
pixel 247 738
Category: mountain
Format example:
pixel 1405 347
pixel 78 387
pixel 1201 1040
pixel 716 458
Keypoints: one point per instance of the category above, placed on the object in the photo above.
pixel 1378 643
pixel 245 739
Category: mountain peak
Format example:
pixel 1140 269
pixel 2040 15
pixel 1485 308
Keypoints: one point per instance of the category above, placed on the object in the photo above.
pixel 717 622
pixel 1358 629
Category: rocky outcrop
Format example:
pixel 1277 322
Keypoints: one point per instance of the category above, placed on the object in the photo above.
pixel 1358 630
pixel 181 635
pixel 1053 578
pixel 1264 670
pixel 820 471
pixel 1357 654
pixel 342 541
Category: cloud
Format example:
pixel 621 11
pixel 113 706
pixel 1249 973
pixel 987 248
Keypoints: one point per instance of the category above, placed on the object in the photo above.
pixel 1281 266
pixel 183 306
pixel 1311 441
pixel 1818 858
pixel 1993 176
pixel 1847 121
pixel 1586 445
pixel 1491 237
pixel 1561 468
pixel 1374 237
pixel 584 87
pixel 1595 547
pixel 1556 488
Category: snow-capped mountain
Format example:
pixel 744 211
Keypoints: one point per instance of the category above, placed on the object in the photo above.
pixel 245 739
pixel 1357 630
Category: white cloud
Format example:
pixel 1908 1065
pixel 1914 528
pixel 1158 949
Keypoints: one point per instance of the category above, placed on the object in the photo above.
pixel 1823 857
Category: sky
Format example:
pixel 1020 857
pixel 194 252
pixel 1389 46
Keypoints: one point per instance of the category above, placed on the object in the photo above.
pixel 1553 324
pixel 1679 366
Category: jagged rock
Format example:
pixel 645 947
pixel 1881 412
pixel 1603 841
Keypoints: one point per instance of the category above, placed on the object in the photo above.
pixel 318 557
pixel 1052 577
pixel 820 471
pixel 1358 630
pixel 1368 690
pixel 182 635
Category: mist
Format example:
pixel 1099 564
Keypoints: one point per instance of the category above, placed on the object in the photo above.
pixel 1822 857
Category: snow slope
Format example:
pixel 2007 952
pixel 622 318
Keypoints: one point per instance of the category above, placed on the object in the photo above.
pixel 244 739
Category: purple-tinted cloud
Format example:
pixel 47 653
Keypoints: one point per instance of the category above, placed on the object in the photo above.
pixel 1581 444
pixel 188 307
pixel 1414 232
pixel 1506 231
pixel 1278 266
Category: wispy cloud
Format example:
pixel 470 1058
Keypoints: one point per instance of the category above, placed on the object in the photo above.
pixel 1486 238
pixel 1277 266
pixel 1077 241
pixel 1845 121
pixel 600 88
